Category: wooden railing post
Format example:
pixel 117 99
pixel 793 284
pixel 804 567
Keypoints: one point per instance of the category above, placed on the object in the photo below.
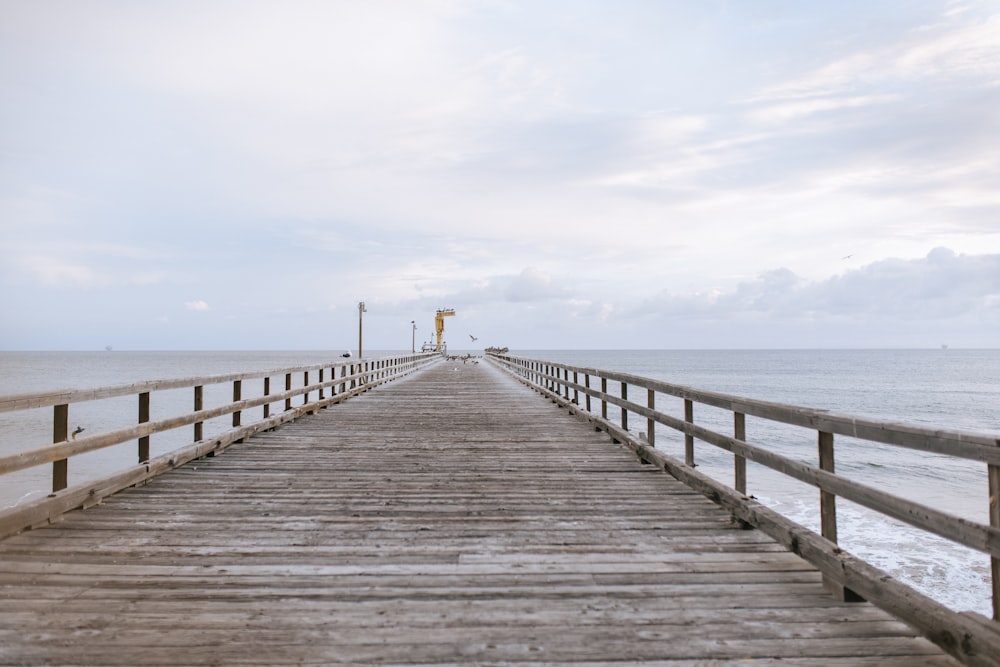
pixel 305 383
pixel 827 500
pixel 288 387
pixel 267 392
pixel 650 422
pixel 321 397
pixel 199 404
pixel 237 395
pixel 688 438
pixel 576 392
pixel 143 418
pixel 586 383
pixel 624 387
pixel 828 516
pixel 60 433
pixel 993 472
pixel 604 403
pixel 739 462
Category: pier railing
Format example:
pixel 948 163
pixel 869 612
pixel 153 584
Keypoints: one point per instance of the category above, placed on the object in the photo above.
pixel 585 391
pixel 300 390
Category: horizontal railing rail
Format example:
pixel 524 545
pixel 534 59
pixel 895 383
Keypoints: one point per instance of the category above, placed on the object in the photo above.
pixel 584 391
pixel 331 383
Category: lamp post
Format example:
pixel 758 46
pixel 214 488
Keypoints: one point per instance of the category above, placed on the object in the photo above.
pixel 413 337
pixel 361 309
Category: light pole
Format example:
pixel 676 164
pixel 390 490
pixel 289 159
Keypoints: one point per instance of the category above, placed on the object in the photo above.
pixel 413 337
pixel 361 309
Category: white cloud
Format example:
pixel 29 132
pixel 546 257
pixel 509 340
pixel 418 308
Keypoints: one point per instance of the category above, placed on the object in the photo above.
pixel 967 50
pixel 789 111
pixel 970 50
pixel 199 306
pixel 57 273
pixel 533 285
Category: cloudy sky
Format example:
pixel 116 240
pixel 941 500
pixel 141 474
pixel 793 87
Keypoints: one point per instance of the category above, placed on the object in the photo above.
pixel 565 174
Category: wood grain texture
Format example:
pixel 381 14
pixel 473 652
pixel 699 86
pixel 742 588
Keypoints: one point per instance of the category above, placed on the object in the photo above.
pixel 449 518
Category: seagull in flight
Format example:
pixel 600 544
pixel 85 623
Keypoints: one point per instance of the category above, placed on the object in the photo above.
pixel 474 339
pixel 78 431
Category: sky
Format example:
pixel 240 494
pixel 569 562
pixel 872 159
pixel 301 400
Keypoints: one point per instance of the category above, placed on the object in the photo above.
pixel 637 174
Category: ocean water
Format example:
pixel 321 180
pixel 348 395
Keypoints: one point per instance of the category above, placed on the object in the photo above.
pixel 948 389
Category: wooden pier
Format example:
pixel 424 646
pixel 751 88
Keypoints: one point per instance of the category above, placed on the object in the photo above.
pixel 449 517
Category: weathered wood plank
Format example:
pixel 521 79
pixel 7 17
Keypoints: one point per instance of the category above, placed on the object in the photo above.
pixel 448 518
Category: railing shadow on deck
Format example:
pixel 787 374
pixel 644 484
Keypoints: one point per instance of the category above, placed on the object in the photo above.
pixel 307 389
pixel 970 637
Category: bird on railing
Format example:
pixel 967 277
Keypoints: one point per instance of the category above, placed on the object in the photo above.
pixel 78 431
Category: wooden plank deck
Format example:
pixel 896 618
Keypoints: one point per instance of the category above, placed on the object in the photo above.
pixel 452 517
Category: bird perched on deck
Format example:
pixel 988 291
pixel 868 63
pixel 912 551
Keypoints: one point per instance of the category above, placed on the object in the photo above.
pixel 78 431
